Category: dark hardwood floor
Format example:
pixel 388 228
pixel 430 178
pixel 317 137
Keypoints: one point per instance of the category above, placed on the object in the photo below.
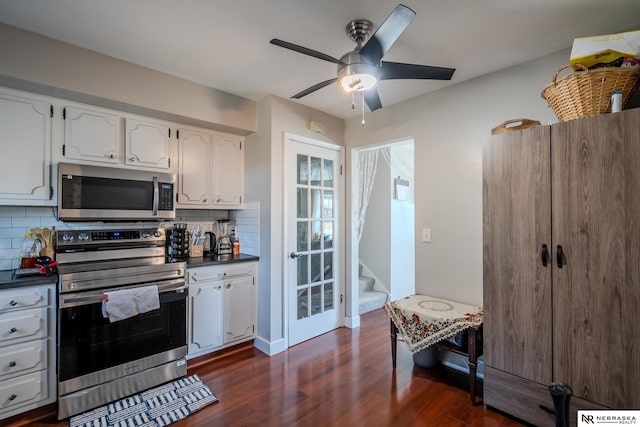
pixel 341 378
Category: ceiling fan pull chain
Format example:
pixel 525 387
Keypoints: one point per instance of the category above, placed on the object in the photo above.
pixel 362 97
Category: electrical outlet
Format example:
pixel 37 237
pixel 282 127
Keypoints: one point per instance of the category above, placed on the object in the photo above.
pixel 426 235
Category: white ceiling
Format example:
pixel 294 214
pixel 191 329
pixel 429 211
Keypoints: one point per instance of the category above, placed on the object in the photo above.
pixel 225 43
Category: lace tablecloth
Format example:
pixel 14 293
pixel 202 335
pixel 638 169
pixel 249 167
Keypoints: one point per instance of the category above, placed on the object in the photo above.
pixel 424 320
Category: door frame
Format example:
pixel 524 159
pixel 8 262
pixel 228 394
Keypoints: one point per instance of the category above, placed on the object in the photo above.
pixel 340 239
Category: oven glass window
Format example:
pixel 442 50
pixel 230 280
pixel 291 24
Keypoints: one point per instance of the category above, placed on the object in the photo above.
pixel 81 192
pixel 90 343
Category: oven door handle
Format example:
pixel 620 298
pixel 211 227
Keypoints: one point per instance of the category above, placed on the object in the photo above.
pixel 93 297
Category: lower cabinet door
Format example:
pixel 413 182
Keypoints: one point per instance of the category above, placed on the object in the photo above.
pixel 239 317
pixel 205 309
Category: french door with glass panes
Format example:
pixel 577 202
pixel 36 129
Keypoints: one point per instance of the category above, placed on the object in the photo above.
pixel 314 285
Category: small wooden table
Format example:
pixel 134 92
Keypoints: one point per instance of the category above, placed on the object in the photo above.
pixel 424 321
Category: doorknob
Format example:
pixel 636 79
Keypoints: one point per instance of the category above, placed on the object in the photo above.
pixel 293 255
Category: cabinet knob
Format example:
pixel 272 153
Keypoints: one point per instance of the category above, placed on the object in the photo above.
pixel 13 303
pixel 204 200
pixel 133 159
pixel 218 200
pixel 13 330
pixel 228 285
pixel 13 397
pixel 111 156
pixel 12 364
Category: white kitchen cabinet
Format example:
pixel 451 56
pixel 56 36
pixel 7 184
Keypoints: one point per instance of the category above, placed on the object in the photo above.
pixel 147 143
pixel 239 319
pixel 228 171
pixel 210 170
pixel 97 136
pixel 222 306
pixel 205 309
pixel 25 121
pixel 194 148
pixel 27 348
pixel 92 135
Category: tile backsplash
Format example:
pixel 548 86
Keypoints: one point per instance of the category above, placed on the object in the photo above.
pixel 15 221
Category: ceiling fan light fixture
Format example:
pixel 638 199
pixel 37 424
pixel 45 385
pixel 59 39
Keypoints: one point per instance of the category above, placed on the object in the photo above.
pixel 357 77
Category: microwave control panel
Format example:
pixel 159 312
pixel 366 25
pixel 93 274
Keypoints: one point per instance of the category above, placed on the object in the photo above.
pixel 165 199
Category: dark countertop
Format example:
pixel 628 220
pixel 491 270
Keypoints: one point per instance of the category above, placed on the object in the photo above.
pixel 208 260
pixel 8 280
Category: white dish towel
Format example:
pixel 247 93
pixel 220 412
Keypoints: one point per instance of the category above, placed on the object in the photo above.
pixel 125 303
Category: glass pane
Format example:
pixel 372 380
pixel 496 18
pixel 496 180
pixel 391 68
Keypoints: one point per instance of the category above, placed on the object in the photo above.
pixel 303 303
pixel 328 173
pixel 328 296
pixel 316 235
pixel 303 236
pixel 316 203
pixel 327 204
pixel 316 299
pixel 303 203
pixel 328 265
pixel 327 234
pixel 303 270
pixel 315 171
pixel 302 169
pixel 316 268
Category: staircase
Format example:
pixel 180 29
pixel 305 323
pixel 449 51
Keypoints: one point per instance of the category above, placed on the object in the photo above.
pixel 369 299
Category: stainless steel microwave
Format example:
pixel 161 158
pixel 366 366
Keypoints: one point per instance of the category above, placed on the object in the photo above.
pixel 94 193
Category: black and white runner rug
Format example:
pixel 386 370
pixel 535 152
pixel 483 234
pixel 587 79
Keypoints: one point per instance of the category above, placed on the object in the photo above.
pixel 157 407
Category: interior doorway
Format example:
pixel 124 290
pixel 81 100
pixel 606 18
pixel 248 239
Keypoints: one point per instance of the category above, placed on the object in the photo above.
pixel 383 220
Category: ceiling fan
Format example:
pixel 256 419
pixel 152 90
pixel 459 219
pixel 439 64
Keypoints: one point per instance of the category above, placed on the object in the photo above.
pixel 361 69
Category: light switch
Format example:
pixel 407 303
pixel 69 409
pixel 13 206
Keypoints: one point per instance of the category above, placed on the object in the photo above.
pixel 426 235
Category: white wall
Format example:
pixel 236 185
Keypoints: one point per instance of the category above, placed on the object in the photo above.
pixel 264 182
pixel 39 64
pixel 449 127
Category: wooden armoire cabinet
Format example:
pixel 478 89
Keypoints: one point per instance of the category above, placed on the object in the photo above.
pixel 561 243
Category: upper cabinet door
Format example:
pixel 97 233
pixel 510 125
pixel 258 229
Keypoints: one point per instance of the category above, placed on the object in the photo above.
pixel 91 135
pixel 228 171
pixel 26 145
pixel 193 168
pixel 147 144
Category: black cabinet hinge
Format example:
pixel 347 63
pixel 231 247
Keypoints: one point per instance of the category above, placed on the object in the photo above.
pixel 50 193
pixel 64 149
pixel 340 169
pixel 169 162
pixel 176 197
pixel 169 132
pixel 51 110
pixel 178 134
pixel 340 298
pixel 64 114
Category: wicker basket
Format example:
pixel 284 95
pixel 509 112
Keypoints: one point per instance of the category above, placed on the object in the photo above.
pixel 588 92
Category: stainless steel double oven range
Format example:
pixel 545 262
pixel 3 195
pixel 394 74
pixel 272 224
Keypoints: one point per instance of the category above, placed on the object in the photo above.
pixel 100 361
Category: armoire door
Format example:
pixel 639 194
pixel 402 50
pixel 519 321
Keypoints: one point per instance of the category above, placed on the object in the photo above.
pixel 596 293
pixel 517 287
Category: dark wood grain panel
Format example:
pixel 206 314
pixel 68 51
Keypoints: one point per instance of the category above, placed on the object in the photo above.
pixel 596 217
pixel 516 222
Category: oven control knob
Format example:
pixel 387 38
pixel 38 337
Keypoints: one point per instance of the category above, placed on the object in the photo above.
pixel 67 237
pixel 145 235
pixel 157 233
pixel 83 236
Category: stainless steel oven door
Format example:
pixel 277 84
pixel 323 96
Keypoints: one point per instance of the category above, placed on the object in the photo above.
pixel 92 350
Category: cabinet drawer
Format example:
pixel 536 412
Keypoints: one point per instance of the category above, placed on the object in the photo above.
pixel 23 390
pixel 27 297
pixel 23 325
pixel 524 399
pixel 20 359
pixel 202 274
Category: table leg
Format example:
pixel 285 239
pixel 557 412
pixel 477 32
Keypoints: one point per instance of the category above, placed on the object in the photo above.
pixel 394 342
pixel 472 340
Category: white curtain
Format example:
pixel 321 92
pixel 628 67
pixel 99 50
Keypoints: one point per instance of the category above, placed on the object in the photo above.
pixel 368 160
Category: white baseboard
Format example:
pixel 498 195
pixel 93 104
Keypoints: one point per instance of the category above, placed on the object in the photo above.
pixel 352 322
pixel 270 347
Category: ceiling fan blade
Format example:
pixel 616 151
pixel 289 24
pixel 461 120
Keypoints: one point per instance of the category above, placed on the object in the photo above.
pixel 314 88
pixel 304 50
pixel 384 37
pixel 372 98
pixel 398 70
